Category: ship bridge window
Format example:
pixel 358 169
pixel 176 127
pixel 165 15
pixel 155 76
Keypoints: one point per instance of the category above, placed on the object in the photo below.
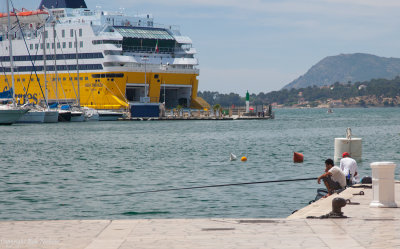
pixel 141 39
pixel 144 33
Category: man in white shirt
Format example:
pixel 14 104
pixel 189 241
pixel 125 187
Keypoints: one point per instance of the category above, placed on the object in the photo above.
pixel 334 178
pixel 349 167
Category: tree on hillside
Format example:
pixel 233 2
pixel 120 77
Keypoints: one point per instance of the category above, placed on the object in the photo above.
pixel 380 88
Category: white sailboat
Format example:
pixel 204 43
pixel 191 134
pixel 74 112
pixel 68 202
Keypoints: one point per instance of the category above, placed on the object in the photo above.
pixel 33 115
pixel 77 114
pixel 91 114
pixel 51 115
pixel 64 115
pixel 9 114
pixel 38 114
pixel 106 115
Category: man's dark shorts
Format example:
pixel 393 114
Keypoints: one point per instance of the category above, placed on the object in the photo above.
pixel 332 184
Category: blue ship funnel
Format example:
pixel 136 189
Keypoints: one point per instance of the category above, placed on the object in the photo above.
pixel 73 4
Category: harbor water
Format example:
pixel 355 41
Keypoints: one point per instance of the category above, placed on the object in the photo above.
pixel 87 170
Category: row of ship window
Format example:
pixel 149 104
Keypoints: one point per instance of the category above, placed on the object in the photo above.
pixel 51 57
pixel 51 68
pixel 55 35
pixel 54 79
pixel 64 45
pixel 107 75
pixel 71 33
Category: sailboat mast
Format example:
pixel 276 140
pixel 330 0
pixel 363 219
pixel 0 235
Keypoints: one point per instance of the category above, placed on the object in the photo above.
pixel 44 64
pixel 77 69
pixel 11 52
pixel 55 58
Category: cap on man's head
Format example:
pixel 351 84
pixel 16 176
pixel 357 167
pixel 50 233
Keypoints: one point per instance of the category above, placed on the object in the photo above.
pixel 345 154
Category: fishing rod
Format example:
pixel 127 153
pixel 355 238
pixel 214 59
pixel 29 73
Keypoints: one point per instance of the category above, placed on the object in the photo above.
pixel 213 186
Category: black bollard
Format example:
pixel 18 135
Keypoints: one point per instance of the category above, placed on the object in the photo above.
pixel 337 204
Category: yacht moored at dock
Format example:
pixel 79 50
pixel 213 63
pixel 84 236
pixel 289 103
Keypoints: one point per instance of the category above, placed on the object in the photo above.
pixel 51 116
pixel 34 115
pixel 106 115
pixel 10 114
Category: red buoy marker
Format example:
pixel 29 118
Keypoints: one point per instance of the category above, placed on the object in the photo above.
pixel 298 157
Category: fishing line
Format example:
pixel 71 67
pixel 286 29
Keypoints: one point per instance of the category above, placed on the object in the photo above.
pixel 212 186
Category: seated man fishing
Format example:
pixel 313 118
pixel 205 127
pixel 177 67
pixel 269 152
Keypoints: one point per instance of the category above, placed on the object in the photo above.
pixel 334 178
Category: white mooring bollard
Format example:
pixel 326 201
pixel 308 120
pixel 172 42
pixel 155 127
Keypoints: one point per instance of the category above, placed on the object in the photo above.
pixel 348 144
pixel 383 185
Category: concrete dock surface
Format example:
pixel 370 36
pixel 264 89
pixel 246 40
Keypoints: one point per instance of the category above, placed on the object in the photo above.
pixel 365 227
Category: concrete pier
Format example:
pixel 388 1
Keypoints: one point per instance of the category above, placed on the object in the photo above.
pixel 365 227
pixel 198 118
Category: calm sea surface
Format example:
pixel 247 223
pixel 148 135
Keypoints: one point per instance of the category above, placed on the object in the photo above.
pixel 85 170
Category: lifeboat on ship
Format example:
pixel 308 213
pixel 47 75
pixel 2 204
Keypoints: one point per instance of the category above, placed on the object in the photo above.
pixel 34 16
pixel 4 18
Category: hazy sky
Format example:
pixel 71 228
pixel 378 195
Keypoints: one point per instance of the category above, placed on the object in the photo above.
pixel 261 45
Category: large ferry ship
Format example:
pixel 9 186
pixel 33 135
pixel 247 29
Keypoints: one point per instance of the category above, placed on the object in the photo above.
pixel 120 59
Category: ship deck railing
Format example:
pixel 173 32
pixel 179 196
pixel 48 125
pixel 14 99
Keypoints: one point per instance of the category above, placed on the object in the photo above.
pixel 138 49
pixel 161 50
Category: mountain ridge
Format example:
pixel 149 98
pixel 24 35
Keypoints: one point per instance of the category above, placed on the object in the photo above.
pixel 356 67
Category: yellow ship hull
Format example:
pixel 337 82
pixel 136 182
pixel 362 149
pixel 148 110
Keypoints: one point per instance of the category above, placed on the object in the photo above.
pixel 99 90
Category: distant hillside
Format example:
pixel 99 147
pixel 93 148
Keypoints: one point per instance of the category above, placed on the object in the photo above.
pixel 348 67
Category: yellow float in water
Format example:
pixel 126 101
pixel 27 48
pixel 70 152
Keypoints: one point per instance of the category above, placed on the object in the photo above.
pixel 243 159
